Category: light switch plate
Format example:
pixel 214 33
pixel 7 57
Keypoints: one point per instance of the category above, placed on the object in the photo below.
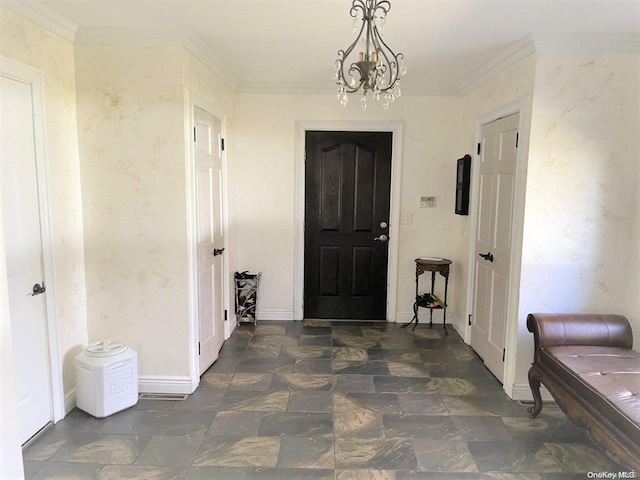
pixel 406 218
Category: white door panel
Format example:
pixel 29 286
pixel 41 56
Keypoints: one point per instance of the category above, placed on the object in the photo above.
pixel 210 236
pixel 21 220
pixel 495 214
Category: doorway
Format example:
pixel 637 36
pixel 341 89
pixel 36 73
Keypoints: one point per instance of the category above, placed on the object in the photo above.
pixel 492 250
pixel 347 206
pixel 209 235
pixel 24 229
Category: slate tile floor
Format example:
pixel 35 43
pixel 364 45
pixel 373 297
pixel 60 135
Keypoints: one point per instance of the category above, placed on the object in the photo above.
pixel 326 400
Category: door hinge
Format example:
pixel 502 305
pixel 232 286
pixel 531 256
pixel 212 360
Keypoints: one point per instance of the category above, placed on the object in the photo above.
pixel 194 134
pixel 504 352
pixel 222 144
pixel 226 313
pixel 517 138
pixel 478 148
pixel 198 348
pixel 469 319
pixel 305 155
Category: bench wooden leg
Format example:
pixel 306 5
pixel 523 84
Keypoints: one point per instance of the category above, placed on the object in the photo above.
pixel 534 383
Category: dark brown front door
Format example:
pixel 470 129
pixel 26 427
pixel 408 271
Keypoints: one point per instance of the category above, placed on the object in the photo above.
pixel 347 185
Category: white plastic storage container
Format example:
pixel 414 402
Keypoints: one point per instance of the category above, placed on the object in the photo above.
pixel 106 378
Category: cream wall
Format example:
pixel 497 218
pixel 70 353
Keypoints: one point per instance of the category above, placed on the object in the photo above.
pixel 262 187
pixel 581 188
pixel 23 41
pixel 132 150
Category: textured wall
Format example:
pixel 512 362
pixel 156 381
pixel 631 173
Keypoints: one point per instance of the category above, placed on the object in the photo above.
pixel 131 117
pixel 581 187
pixel 25 42
pixel 263 185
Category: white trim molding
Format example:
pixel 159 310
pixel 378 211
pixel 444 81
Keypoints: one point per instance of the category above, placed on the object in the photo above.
pixel 521 106
pixel 396 129
pixel 272 314
pixel 512 55
pixel 70 401
pixel 43 17
pixel 152 37
pixel 165 384
pixel 195 100
pixel 522 392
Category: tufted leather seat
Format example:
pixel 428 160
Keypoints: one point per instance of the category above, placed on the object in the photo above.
pixel 587 363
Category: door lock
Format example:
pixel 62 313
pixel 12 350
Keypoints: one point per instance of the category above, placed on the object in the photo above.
pixel 487 256
pixel 382 238
pixel 217 251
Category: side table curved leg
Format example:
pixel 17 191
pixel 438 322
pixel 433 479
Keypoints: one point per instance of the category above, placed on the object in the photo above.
pixel 415 317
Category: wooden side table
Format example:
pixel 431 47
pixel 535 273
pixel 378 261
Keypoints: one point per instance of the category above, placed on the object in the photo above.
pixel 433 266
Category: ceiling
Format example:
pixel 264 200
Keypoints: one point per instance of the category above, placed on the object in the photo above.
pixel 290 45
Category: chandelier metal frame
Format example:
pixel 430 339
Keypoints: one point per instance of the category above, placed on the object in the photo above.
pixel 376 68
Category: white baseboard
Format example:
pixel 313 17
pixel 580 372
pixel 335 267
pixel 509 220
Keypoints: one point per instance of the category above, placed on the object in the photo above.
pixel 522 391
pixel 69 401
pixel 163 384
pixel 275 315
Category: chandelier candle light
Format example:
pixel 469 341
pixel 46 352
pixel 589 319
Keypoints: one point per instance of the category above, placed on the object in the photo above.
pixel 376 67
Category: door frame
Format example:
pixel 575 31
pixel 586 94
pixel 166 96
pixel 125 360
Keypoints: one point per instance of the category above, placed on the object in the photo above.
pixel 196 100
pixel 301 127
pixel 521 106
pixel 35 78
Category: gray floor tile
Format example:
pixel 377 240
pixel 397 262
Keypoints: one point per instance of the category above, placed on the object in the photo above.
pixel 170 450
pixel 66 471
pixel 241 423
pixel 513 457
pixel 299 424
pixel 217 451
pixel 419 426
pixel 122 472
pixel 102 449
pixel 213 473
pixel 173 422
pixel 318 399
pixel 310 401
pixel 289 474
pixel 31 467
pixel 444 455
pixel 357 453
pixel 300 452
pixel 482 428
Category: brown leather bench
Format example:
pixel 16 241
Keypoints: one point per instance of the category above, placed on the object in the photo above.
pixel 587 363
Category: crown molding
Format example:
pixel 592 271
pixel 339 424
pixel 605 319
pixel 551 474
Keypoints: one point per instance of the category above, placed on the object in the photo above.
pixel 42 16
pixel 594 43
pixel 154 37
pixel 538 42
pixel 516 52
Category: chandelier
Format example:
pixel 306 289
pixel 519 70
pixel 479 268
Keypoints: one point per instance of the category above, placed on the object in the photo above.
pixel 375 68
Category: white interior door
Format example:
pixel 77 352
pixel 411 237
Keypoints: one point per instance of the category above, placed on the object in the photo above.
pixel 23 244
pixel 493 241
pixel 209 235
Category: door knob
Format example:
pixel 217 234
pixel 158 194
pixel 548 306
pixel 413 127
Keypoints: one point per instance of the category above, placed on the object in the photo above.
pixel 487 256
pixel 381 238
pixel 37 290
pixel 217 251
